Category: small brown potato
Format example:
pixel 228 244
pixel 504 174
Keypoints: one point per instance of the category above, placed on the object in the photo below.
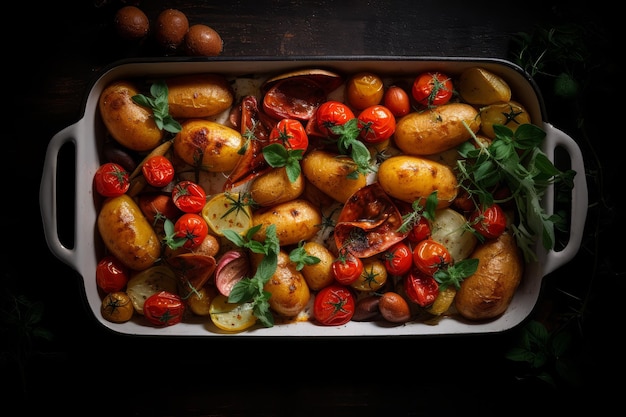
pixel 488 292
pixel 210 145
pixel 198 95
pixel 510 114
pixel 329 172
pixel 203 40
pixel 295 220
pixel 290 292
pixel 274 187
pixel 131 23
pixel 318 275
pixel 436 130
pixel 127 234
pixel 409 178
pixel 130 124
pixel 479 86
pixel 366 308
pixel 450 229
pixel 394 307
pixel 364 89
pixel 170 28
pixel 117 307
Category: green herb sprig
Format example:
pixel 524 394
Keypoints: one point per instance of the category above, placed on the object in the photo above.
pixel 516 160
pixel 348 143
pixel 278 156
pixel 158 103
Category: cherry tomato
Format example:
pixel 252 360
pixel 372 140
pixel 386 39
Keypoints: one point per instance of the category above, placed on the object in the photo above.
pixel 111 274
pixel 291 134
pixel 398 259
pixel 189 197
pixel 364 89
pixel 191 226
pixel 373 277
pixel 432 88
pixel 347 267
pixel 158 171
pixel 164 308
pixel 111 180
pixel 490 222
pixel 429 256
pixel 334 305
pixel 377 124
pixel 397 101
pixel 117 307
pixel 421 288
pixel 332 113
pixel 420 230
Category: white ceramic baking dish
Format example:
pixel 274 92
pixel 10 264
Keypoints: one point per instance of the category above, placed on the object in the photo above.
pixel 87 136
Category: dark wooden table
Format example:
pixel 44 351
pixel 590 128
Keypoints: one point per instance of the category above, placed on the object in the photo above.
pixel 121 375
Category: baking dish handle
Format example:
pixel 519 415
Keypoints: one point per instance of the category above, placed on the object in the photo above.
pixel 48 194
pixel 555 138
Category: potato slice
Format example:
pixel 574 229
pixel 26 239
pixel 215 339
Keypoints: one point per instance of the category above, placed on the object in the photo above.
pixel 481 87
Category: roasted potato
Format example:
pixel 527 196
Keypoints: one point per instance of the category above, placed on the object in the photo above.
pixel 318 275
pixel 295 220
pixel 274 187
pixel 478 86
pixel 436 130
pixel 290 292
pixel 127 234
pixel 488 292
pixel 409 178
pixel 211 146
pixel 450 228
pixel 198 95
pixel 130 124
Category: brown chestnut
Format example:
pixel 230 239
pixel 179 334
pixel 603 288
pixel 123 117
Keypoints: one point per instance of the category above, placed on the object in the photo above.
pixel 170 28
pixel 131 23
pixel 203 40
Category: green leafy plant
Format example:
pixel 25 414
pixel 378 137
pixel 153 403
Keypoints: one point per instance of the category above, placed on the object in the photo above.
pixel 159 105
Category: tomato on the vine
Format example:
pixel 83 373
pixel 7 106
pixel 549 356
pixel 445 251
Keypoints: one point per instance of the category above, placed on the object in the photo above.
pixel 332 113
pixel 193 228
pixel 111 180
pixel 347 267
pixel 429 256
pixel 421 288
pixel 376 124
pixel 291 134
pixel 421 230
pixel 398 259
pixel 158 171
pixel 164 308
pixel 111 274
pixel 334 305
pixel 188 196
pixel 432 88
pixel 490 222
pixel 397 101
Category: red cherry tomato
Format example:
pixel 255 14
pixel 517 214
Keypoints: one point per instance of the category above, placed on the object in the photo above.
pixel 164 308
pixel 347 267
pixel 429 256
pixel 490 222
pixel 332 113
pixel 334 305
pixel 193 228
pixel 420 230
pixel 421 288
pixel 158 171
pixel 432 88
pixel 291 134
pixel 189 197
pixel 398 259
pixel 111 180
pixel 111 274
pixel 377 124
pixel 397 101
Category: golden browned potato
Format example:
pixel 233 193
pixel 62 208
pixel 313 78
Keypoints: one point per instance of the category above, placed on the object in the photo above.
pixel 436 130
pixel 476 85
pixel 198 95
pixel 274 187
pixel 329 172
pixel 127 234
pixel 510 114
pixel 290 292
pixel 488 292
pixel 295 220
pixel 318 275
pixel 127 122
pixel 210 145
pixel 409 178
